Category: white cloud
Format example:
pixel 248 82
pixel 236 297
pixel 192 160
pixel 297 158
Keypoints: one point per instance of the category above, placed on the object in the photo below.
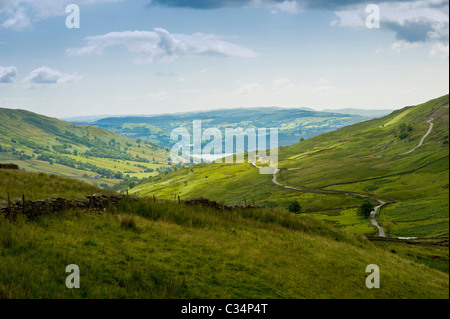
pixel 17 20
pixel 283 84
pixel 159 95
pixel 400 46
pixel 250 89
pixel 440 50
pixel 160 45
pixel 412 21
pixel 350 18
pixel 321 86
pixel 7 74
pixel 287 7
pixel 45 75
pixel 19 14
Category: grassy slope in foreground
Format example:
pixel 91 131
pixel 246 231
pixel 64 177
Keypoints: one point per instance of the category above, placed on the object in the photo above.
pixel 40 186
pixel 42 144
pixel 178 251
pixel 361 151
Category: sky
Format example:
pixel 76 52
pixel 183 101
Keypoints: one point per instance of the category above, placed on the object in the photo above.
pixel 163 56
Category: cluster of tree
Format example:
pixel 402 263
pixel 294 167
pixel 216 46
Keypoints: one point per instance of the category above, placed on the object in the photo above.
pixel 69 162
pixel 145 168
pixel 31 145
pixel 114 153
pixel 405 131
pixel 19 154
pixel 62 149
pixel 294 207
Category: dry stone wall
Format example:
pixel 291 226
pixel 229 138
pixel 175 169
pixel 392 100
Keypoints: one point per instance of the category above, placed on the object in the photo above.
pixel 9 166
pixel 213 204
pixel 57 204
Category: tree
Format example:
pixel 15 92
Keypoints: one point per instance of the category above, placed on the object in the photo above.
pixel 405 130
pixel 294 207
pixel 366 208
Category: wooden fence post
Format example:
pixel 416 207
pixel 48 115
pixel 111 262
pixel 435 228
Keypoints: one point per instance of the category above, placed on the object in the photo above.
pixel 154 199
pixel 23 204
pixel 179 199
pixel 245 201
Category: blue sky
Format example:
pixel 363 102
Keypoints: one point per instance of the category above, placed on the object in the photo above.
pixel 164 56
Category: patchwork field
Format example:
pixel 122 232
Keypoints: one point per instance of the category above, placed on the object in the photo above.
pixel 102 158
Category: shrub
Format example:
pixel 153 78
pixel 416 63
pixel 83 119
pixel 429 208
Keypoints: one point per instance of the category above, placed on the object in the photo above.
pixel 294 207
pixel 366 208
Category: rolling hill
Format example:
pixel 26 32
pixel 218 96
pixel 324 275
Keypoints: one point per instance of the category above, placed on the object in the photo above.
pixel 329 174
pixel 293 124
pixel 156 248
pixel 42 144
pixel 146 249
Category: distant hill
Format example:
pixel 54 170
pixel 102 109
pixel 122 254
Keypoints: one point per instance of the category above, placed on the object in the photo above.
pixel 42 144
pixel 151 248
pixel 379 158
pixel 362 112
pixel 293 124
pixel 84 119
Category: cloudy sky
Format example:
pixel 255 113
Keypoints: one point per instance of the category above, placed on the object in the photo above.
pixel 161 56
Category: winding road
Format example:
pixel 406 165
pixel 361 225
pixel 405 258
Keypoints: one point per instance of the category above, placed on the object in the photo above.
pixel 423 137
pixel 373 220
pixel 377 209
pixel 373 214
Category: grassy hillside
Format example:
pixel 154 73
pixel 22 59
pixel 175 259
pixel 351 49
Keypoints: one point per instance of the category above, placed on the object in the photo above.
pixel 41 144
pixel 366 158
pixel 40 186
pixel 165 250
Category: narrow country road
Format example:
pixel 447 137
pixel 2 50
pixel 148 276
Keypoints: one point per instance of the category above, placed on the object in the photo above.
pixel 377 209
pixel 373 220
pixel 423 137
pixel 373 214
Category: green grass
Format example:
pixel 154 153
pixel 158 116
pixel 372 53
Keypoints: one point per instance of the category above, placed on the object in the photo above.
pixel 350 221
pixel 433 256
pixel 64 149
pixel 178 251
pixel 349 155
pixel 144 249
pixel 40 186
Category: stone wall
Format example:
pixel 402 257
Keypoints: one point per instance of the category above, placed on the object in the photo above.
pixel 9 166
pixel 95 202
pixel 213 204
pixel 57 204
